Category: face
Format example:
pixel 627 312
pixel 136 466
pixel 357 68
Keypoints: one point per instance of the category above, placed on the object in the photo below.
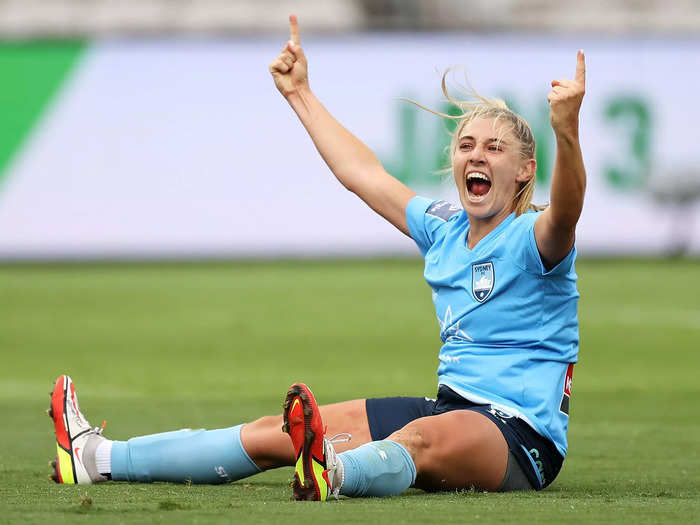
pixel 489 172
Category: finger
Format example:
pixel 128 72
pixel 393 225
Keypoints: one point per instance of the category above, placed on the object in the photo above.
pixel 287 59
pixel 294 29
pixel 580 75
pixel 278 66
pixel 289 54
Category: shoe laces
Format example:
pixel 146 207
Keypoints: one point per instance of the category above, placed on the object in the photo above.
pixel 99 430
pixel 340 437
pixel 332 460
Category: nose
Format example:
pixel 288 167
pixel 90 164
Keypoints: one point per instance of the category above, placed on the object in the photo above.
pixel 477 156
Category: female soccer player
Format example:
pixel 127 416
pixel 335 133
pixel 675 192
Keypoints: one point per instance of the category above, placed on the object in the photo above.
pixel 503 281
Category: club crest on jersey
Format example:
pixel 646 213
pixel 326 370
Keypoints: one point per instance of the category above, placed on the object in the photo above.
pixel 482 281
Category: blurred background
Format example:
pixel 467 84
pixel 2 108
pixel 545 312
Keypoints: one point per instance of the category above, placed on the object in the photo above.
pixel 152 129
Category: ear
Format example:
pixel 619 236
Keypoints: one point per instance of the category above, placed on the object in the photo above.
pixel 527 170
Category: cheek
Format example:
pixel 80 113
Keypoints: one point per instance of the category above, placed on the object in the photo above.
pixel 456 173
pixel 507 176
pixel 458 163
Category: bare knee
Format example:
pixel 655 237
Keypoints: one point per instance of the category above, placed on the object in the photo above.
pixel 413 439
pixel 421 443
pixel 429 457
pixel 458 450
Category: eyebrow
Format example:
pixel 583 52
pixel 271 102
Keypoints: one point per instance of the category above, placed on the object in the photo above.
pixel 492 139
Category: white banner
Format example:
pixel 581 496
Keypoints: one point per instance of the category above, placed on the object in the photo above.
pixel 184 148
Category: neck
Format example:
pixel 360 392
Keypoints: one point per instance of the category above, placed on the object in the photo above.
pixel 480 227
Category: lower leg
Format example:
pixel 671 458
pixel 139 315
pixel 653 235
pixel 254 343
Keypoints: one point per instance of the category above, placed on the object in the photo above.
pixel 199 456
pixel 223 455
pixel 379 468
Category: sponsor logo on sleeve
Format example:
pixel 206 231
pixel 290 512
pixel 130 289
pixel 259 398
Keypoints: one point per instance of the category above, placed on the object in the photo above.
pixel 442 210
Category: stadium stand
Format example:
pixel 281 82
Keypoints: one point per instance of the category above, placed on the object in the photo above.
pixel 27 18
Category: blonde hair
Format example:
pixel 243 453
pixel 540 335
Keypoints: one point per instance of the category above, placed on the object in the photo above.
pixel 479 107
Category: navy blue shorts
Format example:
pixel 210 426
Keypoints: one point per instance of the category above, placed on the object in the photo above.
pixel 537 456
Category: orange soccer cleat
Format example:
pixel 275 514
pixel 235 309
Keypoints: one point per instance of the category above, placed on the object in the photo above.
pixel 76 440
pixel 318 473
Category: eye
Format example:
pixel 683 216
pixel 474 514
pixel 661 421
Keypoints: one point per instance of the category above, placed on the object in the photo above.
pixel 495 147
pixel 465 146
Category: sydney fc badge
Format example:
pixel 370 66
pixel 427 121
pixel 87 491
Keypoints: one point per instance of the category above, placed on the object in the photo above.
pixel 482 281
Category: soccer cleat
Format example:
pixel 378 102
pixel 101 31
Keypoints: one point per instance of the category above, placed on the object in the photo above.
pixel 76 440
pixel 318 472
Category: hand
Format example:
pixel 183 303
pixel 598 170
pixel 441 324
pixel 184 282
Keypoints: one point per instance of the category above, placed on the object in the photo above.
pixel 565 100
pixel 289 70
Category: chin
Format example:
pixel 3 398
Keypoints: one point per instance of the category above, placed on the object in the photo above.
pixel 479 210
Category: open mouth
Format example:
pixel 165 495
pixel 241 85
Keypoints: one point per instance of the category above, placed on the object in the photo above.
pixel 478 185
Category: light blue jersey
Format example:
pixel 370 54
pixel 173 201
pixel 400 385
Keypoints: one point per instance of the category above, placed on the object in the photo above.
pixel 509 326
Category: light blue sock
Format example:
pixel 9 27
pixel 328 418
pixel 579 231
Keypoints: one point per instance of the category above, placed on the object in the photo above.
pixel 380 468
pixel 202 456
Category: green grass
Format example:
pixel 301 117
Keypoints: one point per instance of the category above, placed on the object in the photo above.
pixel 156 347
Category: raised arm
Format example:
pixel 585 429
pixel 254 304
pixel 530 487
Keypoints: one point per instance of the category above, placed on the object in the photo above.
pixel 353 163
pixel 555 229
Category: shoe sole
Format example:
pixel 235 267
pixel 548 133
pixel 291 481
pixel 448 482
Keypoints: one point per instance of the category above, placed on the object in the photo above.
pixel 310 490
pixel 64 465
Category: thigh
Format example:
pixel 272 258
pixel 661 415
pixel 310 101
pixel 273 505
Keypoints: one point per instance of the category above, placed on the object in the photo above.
pixel 348 417
pixel 269 447
pixel 386 415
pixel 455 450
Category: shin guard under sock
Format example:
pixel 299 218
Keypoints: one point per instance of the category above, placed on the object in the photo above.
pixel 199 456
pixel 380 468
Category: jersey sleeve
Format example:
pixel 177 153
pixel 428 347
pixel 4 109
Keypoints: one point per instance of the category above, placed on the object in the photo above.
pixel 524 248
pixel 425 219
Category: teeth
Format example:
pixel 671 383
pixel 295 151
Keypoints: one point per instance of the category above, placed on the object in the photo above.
pixel 475 175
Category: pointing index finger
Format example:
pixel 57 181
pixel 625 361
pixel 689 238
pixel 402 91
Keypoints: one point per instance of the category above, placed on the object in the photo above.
pixel 294 29
pixel 580 75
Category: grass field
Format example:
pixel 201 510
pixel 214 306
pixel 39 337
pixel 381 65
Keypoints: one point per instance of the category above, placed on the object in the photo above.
pixel 155 347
